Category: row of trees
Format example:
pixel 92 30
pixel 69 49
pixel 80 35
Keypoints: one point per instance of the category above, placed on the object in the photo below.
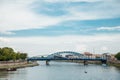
pixel 7 54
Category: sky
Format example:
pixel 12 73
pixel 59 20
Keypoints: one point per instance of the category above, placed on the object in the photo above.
pixel 40 27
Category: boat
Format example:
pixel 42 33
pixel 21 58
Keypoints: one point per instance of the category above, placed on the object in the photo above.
pixel 11 69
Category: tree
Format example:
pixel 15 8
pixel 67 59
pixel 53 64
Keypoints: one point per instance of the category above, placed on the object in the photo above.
pixel 7 54
pixel 23 56
pixel 0 51
pixel 118 55
pixel 18 55
pixel 13 56
pixel 2 58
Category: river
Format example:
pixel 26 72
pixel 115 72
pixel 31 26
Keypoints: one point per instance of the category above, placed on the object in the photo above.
pixel 63 71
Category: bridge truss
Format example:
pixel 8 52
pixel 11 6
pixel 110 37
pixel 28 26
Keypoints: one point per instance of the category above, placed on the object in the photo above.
pixel 66 55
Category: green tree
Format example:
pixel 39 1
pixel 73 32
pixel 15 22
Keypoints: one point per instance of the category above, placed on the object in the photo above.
pixel 7 54
pixel 23 56
pixel 13 56
pixel 0 54
pixel 118 55
pixel 2 58
pixel 0 51
pixel 18 55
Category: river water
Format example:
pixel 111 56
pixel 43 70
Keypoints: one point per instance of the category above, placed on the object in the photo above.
pixel 63 71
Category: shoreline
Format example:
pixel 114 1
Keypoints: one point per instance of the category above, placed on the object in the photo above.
pixel 6 67
pixel 116 64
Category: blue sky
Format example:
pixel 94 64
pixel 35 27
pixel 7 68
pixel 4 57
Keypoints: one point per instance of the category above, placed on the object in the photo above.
pixel 59 25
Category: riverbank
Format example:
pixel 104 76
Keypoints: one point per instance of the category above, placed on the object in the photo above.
pixel 16 65
pixel 114 63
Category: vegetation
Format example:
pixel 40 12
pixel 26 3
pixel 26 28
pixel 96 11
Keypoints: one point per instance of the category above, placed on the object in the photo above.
pixel 118 55
pixel 7 54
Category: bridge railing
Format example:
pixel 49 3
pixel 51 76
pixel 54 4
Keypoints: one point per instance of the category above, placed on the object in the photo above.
pixel 48 58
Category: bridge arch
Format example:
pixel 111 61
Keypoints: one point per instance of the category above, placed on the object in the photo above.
pixel 65 52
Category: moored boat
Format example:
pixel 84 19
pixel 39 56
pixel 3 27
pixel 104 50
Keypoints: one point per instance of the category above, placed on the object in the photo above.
pixel 11 69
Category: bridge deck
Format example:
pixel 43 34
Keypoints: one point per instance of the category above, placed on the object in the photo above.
pixel 49 59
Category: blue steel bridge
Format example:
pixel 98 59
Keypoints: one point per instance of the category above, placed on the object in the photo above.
pixel 67 55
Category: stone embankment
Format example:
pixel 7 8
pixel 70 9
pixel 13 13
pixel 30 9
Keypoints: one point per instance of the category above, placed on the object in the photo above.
pixel 15 65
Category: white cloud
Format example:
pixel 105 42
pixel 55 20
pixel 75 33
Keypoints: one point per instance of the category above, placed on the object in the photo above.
pixel 109 28
pixel 54 1
pixel 3 40
pixel 16 15
pixel 6 32
pixel 102 10
pixel 47 45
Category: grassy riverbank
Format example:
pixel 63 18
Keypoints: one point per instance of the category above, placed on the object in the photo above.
pixel 6 66
pixel 116 64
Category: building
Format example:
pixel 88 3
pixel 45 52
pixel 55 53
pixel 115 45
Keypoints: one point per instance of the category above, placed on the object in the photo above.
pixel 88 54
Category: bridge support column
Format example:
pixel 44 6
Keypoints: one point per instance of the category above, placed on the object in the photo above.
pixel 47 62
pixel 85 62
pixel 28 61
pixel 104 61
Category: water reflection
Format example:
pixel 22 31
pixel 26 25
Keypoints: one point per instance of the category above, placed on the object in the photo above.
pixel 12 75
pixel 63 71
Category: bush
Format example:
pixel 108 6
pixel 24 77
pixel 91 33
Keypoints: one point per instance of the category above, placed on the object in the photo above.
pixel 118 55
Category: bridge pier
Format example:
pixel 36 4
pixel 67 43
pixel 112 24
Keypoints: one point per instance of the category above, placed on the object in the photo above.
pixel 85 62
pixel 104 61
pixel 47 62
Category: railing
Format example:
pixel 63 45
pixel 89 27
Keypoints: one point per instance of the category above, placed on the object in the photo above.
pixel 47 58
